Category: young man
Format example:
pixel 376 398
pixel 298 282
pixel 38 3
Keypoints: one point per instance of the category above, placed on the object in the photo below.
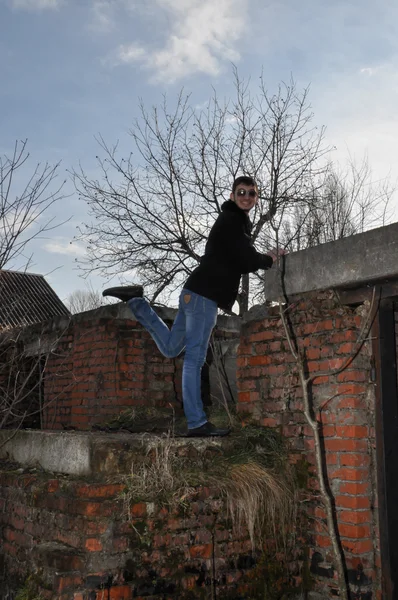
pixel 214 283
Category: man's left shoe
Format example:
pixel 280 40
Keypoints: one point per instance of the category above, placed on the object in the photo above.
pixel 125 293
pixel 208 430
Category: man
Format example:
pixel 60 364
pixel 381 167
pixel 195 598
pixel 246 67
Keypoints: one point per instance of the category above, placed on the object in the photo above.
pixel 214 283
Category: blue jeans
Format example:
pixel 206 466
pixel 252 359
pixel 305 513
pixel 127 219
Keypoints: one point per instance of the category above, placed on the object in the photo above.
pixel 192 327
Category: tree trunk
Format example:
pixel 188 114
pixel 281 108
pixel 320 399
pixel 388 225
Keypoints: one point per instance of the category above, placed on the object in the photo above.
pixel 244 295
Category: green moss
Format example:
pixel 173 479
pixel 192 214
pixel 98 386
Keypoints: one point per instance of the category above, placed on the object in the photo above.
pixel 30 589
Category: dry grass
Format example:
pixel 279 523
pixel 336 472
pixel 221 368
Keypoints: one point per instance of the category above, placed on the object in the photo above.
pixel 253 477
pixel 160 477
pixel 259 499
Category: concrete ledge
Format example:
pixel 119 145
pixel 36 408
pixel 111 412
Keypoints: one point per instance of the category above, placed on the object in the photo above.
pixel 86 453
pixel 359 259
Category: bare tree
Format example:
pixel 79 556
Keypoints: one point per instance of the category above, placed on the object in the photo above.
pixel 83 300
pixel 23 367
pixel 348 202
pixel 152 210
pixel 26 199
pixel 24 208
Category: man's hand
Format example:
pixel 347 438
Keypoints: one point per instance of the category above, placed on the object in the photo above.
pixel 276 252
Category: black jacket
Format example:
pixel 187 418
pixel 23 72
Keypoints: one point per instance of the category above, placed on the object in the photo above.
pixel 229 253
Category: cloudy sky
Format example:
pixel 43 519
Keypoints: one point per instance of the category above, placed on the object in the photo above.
pixel 74 69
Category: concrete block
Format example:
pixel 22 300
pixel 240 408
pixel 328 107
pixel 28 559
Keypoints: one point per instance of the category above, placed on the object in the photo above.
pixel 357 260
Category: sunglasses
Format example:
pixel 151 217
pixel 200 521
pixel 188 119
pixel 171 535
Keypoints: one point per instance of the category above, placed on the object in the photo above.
pixel 242 193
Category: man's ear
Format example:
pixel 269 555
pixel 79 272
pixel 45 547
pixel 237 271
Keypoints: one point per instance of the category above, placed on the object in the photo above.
pixel 231 197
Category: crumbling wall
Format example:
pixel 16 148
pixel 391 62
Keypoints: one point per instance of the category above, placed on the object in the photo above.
pixel 83 539
pixel 104 362
pixel 100 363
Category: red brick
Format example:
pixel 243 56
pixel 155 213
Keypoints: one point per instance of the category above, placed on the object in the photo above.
pixel 120 592
pixel 269 334
pixel 347 474
pixel 247 385
pixel 351 388
pixel 244 396
pixel 159 541
pixel 360 502
pixel 275 346
pixel 326 365
pixel 201 551
pixel 328 431
pixel 323 541
pixel 352 431
pixel 259 360
pixel 352 375
pixel 354 460
pixel 357 547
pixel 270 422
pixel 313 353
pixel 99 491
pixel 345 336
pixel 93 509
pixel 356 517
pixel 94 527
pixel 276 369
pixel 320 512
pixel 93 545
pixel 346 445
pixel 346 348
pixel 355 489
pixel 52 485
pixel 320 379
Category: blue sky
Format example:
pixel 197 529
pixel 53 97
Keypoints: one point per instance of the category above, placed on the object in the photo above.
pixel 74 69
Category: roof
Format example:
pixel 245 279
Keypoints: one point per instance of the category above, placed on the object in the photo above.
pixel 27 298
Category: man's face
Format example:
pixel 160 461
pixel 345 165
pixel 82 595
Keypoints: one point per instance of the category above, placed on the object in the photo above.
pixel 245 196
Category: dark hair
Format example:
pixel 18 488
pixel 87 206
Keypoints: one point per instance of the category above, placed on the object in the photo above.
pixel 246 180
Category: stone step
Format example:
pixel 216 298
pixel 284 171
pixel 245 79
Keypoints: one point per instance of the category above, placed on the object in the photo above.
pixel 92 453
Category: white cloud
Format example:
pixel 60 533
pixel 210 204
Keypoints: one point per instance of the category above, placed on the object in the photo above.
pixel 203 33
pixel 36 4
pixel 65 248
pixel 370 71
pixel 103 16
pixel 130 53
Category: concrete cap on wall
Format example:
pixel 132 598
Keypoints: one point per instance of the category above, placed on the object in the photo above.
pixel 360 259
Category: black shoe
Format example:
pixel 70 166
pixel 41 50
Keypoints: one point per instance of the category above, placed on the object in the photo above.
pixel 208 430
pixel 125 293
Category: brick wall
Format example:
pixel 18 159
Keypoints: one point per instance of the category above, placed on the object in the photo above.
pixel 99 363
pixel 102 362
pixel 101 366
pixel 344 403
pixel 77 540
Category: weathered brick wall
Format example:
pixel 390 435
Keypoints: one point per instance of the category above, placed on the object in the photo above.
pixel 102 363
pixel 102 366
pixel 78 541
pixel 99 363
pixel 344 404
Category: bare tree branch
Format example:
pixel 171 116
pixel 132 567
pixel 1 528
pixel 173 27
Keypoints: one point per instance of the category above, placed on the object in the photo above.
pixel 24 209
